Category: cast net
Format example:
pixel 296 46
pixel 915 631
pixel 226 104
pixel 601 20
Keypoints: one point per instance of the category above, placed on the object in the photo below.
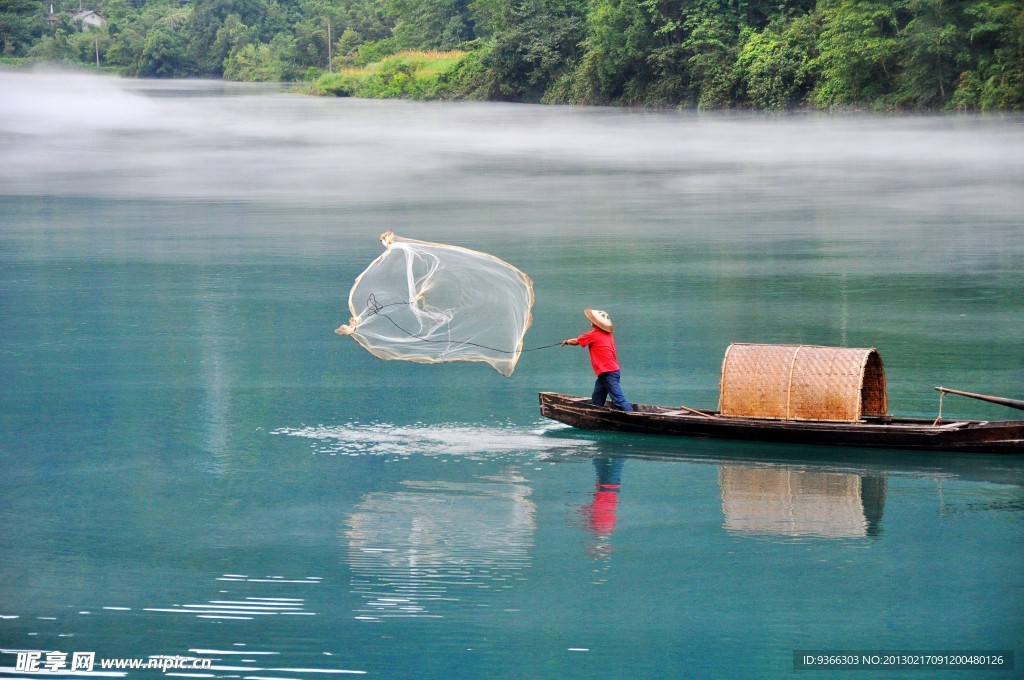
pixel 430 302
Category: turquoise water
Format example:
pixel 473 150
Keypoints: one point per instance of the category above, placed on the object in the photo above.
pixel 194 464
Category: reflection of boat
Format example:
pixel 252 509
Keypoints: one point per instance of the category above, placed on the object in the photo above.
pixel 799 394
pixel 794 502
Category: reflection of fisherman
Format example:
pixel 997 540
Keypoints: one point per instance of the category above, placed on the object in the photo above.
pixel 603 358
pixel 601 513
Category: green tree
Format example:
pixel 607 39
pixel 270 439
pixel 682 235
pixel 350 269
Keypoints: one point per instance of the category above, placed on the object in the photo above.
pixel 126 34
pixel 267 62
pixel 995 79
pixel 370 18
pixel 279 18
pixel 232 37
pixel 53 47
pixel 615 66
pixel 353 23
pixel 21 23
pixel 212 37
pixel 84 45
pixel 933 50
pixel 490 17
pixel 539 46
pixel 430 24
pixel 775 65
pixel 711 33
pixel 163 53
pixel 858 50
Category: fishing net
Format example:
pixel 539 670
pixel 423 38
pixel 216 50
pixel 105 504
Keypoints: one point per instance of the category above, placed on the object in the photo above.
pixel 430 302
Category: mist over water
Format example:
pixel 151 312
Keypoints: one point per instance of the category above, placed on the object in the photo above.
pixel 194 464
pixel 84 135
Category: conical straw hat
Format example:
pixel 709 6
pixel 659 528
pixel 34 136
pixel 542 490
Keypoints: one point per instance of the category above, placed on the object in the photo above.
pixel 600 319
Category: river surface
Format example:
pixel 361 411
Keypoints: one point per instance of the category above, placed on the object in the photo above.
pixel 194 465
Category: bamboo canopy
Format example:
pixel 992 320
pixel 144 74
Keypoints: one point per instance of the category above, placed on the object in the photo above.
pixel 802 382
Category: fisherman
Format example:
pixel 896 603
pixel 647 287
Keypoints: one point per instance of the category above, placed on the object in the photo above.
pixel 603 358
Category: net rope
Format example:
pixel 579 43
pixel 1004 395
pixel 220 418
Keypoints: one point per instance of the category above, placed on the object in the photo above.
pixel 377 308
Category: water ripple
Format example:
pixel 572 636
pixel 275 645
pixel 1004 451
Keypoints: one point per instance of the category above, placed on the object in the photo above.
pixel 246 608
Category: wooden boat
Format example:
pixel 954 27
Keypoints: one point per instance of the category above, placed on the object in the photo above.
pixel 800 394
pixel 962 436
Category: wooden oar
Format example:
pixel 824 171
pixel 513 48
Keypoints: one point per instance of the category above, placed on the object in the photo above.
pixel 695 411
pixel 1002 401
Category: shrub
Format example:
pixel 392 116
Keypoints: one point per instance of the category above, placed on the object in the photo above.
pixel 775 65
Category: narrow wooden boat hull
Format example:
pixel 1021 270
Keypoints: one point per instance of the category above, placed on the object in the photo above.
pixel 899 433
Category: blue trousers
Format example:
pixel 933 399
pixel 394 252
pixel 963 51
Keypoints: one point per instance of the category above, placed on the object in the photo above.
pixel 607 385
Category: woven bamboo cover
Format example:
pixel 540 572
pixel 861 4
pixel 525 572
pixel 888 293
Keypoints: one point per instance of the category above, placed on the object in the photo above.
pixel 802 382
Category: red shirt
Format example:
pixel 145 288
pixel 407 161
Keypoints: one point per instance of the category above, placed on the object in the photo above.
pixel 602 350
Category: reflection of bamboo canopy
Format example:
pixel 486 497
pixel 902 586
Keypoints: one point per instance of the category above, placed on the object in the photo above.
pixel 802 382
pixel 797 503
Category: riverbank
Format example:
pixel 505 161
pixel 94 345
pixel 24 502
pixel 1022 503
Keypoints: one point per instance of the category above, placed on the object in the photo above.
pixel 899 56
pixel 411 74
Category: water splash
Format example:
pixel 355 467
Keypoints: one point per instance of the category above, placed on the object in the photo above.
pixel 471 441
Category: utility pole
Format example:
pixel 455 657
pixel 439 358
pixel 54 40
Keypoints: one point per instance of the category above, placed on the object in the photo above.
pixel 329 69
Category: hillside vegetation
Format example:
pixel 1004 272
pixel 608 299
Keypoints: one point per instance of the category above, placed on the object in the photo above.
pixel 920 55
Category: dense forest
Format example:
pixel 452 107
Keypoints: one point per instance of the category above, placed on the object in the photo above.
pixel 711 54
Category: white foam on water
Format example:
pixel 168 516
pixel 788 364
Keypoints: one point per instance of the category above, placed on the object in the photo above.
pixel 183 610
pixel 221 651
pixel 11 670
pixel 244 609
pixel 317 670
pixel 221 616
pixel 327 671
pixel 280 580
pixel 255 605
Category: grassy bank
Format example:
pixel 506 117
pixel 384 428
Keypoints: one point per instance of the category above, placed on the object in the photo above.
pixel 407 75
